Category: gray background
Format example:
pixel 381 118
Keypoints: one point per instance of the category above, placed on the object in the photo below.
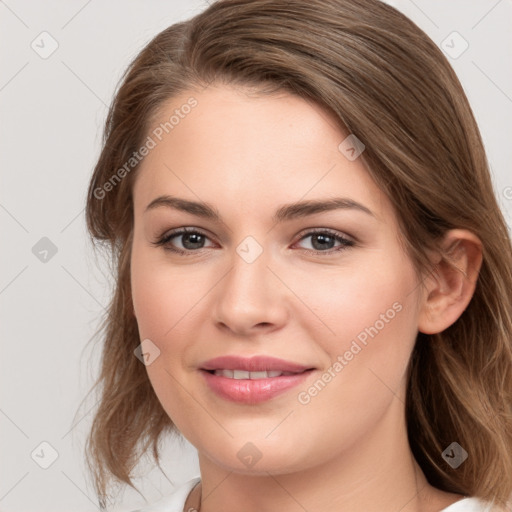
pixel 52 113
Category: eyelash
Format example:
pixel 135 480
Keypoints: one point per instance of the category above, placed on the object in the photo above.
pixel 166 238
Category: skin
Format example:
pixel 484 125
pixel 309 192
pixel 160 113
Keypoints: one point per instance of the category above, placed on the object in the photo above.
pixel 248 154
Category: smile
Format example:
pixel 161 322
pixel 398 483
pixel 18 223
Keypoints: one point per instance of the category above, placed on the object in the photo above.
pixel 243 374
pixel 251 388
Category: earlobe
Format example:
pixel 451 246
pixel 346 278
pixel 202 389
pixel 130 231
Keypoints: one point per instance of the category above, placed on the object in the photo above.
pixel 451 284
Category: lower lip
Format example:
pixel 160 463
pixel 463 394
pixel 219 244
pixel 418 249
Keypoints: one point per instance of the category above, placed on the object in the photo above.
pixel 253 391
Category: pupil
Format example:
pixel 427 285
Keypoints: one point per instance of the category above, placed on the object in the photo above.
pixel 322 239
pixel 196 243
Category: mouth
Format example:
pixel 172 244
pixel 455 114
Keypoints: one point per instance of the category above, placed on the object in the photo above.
pixel 252 380
pixel 243 367
pixel 257 375
pixel 245 387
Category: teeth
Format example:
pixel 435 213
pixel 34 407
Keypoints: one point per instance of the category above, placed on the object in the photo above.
pixel 242 374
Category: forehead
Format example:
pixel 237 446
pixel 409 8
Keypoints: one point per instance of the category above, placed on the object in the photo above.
pixel 252 150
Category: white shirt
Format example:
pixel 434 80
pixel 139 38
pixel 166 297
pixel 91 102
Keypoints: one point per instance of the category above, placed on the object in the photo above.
pixel 175 502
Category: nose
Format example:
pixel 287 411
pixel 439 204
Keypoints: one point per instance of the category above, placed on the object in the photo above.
pixel 251 299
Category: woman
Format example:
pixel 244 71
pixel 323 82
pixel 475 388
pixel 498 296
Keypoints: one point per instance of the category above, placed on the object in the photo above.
pixel 311 264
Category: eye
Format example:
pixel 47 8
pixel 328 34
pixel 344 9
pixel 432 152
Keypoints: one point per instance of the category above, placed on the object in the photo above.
pixel 322 241
pixel 191 240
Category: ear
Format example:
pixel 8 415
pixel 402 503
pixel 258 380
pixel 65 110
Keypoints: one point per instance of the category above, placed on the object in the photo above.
pixel 450 286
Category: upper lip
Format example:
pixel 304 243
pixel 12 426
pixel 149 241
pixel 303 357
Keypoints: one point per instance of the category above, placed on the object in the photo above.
pixel 253 364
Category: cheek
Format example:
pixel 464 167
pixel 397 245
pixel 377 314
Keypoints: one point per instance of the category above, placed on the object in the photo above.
pixel 361 297
pixel 373 317
pixel 150 301
pixel 366 320
pixel 163 307
pixel 162 296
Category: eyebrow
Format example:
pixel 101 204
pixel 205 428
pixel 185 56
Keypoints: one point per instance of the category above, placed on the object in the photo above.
pixel 284 213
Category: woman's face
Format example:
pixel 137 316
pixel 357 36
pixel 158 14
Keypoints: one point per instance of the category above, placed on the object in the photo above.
pixel 269 279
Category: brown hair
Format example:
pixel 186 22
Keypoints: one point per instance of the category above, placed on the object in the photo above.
pixel 389 84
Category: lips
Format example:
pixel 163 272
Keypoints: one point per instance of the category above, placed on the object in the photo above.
pixel 252 380
pixel 253 364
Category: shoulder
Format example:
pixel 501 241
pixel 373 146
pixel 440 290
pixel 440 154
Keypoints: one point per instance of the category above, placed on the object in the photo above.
pixel 173 502
pixel 469 505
